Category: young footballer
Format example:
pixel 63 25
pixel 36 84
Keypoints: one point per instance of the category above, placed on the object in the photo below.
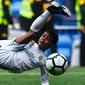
pixel 23 54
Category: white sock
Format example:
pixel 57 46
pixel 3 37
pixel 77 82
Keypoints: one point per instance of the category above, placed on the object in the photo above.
pixel 40 21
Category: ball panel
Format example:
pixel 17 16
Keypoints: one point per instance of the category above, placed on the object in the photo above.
pixel 59 61
pixel 56 71
pixel 53 55
pixel 49 64
pixel 66 66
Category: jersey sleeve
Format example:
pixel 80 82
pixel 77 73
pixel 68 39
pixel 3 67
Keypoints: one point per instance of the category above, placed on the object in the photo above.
pixel 11 45
pixel 44 76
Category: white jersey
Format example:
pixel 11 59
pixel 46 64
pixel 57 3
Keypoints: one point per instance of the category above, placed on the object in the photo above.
pixel 17 57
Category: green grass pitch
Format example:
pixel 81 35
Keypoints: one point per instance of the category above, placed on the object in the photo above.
pixel 73 76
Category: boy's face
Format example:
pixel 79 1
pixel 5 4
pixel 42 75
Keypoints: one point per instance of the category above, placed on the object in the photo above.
pixel 45 41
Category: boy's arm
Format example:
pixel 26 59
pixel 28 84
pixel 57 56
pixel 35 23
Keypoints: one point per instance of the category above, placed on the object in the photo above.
pixel 35 27
pixel 25 38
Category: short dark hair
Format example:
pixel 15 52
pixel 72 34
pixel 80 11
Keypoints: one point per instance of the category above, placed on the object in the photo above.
pixel 54 35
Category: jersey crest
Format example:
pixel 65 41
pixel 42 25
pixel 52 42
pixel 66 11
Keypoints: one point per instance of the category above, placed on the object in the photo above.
pixel 41 57
pixel 31 43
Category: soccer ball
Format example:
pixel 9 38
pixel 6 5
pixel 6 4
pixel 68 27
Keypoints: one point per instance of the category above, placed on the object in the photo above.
pixel 56 64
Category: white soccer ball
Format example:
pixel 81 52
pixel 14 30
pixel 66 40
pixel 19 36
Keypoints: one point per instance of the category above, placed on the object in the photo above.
pixel 56 64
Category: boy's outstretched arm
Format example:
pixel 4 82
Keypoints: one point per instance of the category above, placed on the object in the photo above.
pixel 55 8
pixel 35 27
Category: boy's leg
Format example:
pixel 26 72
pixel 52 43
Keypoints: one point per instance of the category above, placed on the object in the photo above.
pixel 56 8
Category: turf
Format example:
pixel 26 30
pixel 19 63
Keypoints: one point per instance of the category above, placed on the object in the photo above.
pixel 73 76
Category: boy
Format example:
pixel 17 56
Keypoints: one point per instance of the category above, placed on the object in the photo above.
pixel 19 55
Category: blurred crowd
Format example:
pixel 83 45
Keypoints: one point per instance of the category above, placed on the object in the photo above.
pixel 26 11
pixel 29 10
